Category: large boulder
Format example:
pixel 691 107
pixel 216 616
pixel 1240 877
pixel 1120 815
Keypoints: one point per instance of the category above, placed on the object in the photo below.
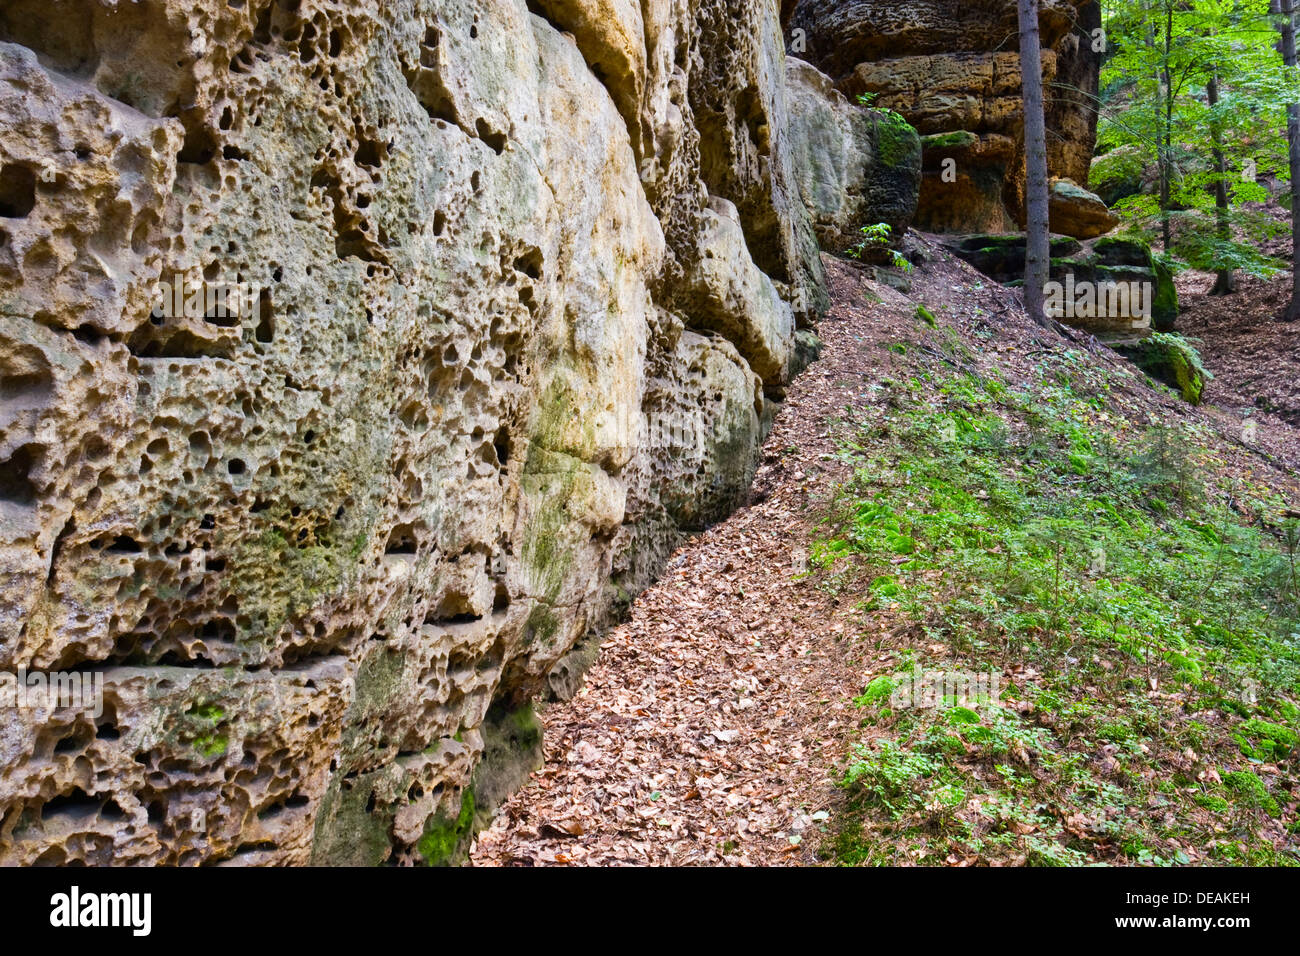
pixel 1170 359
pixel 855 166
pixel 1118 174
pixel 518 285
pixel 1001 256
pixel 1073 211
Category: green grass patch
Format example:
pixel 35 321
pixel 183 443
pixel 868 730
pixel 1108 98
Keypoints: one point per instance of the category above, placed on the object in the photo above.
pixel 1148 636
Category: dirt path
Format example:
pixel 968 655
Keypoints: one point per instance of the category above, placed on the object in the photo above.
pixel 706 731
pixel 709 730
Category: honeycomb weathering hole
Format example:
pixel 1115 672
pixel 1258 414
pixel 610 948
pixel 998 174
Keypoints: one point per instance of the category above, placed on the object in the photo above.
pixel 17 191
pixel 15 482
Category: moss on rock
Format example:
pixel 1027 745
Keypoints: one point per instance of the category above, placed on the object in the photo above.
pixel 446 838
pixel 1164 308
pixel 353 826
pixel 1171 359
pixel 957 139
pixel 897 142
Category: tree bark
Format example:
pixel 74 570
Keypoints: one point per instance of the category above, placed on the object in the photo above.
pixel 1158 77
pixel 1226 280
pixel 1167 141
pixel 1037 242
pixel 1287 27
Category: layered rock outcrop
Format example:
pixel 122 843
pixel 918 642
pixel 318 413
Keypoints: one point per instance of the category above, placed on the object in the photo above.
pixel 855 167
pixel 952 69
pixel 518 285
pixel 1112 287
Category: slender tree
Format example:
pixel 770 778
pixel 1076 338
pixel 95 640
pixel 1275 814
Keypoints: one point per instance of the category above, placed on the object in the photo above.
pixel 1167 132
pixel 1225 280
pixel 1037 241
pixel 1287 26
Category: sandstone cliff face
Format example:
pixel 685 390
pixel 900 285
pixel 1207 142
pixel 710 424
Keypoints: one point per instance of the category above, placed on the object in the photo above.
pixel 951 67
pixel 522 282
pixel 855 167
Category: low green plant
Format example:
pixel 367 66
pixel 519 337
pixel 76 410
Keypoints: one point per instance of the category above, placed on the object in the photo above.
pixel 876 240
pixel 1017 529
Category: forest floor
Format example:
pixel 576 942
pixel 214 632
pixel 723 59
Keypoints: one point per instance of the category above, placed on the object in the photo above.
pixel 1254 357
pixel 952 489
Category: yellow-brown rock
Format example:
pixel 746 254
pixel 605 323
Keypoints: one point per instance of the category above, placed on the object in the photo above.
pixel 950 68
pixel 1073 211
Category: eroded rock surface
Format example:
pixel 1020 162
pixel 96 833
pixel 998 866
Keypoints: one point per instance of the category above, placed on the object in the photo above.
pixel 526 281
pixel 1073 211
pixel 855 167
pixel 952 68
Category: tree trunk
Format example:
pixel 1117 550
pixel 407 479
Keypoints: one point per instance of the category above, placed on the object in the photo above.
pixel 1037 244
pixel 1226 280
pixel 1287 9
pixel 1167 141
pixel 1158 76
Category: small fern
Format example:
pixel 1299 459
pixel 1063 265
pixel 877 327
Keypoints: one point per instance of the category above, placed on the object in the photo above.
pixel 877 237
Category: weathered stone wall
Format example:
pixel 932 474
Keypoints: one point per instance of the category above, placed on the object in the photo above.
pixel 523 276
pixel 952 68
pixel 855 167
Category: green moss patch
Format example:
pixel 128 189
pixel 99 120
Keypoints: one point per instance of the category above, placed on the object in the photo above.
pixel 446 837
